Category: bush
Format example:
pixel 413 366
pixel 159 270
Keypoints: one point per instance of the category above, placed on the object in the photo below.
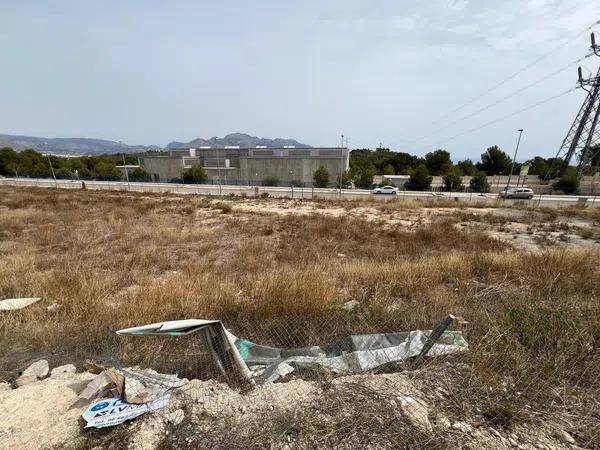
pixel 139 174
pixel 568 182
pixel 321 177
pixel 270 181
pixel 419 180
pixel 453 182
pixel 479 183
pixel 195 174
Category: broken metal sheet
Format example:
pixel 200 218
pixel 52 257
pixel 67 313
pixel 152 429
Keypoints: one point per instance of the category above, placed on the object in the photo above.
pixel 220 342
pixel 12 304
pixel 109 412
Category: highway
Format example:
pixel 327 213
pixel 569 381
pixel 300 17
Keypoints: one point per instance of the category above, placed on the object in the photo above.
pixel 299 193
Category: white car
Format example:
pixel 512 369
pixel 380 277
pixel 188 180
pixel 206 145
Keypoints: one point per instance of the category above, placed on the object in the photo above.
pixel 386 190
pixel 517 193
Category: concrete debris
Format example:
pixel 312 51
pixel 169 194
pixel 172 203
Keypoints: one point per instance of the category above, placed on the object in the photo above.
pixel 12 304
pixel 99 386
pixel 63 372
pixel 5 387
pixel 175 417
pixel 442 421
pixel 34 372
pixel 53 308
pixel 416 413
pixel 351 305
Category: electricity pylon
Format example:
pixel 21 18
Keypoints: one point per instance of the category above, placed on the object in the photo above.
pixel 583 139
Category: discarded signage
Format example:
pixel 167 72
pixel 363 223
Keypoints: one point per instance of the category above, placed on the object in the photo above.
pixel 11 304
pixel 109 412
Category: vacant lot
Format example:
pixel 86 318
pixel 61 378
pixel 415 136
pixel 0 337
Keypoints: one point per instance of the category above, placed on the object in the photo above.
pixel 278 271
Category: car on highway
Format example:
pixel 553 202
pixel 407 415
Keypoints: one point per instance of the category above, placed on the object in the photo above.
pixel 517 193
pixel 386 190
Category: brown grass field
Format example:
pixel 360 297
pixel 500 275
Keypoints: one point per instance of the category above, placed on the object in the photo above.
pixel 277 271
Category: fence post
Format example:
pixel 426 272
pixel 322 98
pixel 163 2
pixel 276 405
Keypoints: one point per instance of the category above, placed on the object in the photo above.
pixel 435 334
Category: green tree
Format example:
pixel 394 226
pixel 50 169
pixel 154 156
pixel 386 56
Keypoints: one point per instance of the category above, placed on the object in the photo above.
pixel 139 174
pixel 8 161
pixel 388 170
pixel 271 180
pixel 538 166
pixel 63 173
pixel 479 183
pixel 568 182
pixel 107 171
pixel 364 178
pixel 419 180
pixel 195 174
pixel 321 177
pixel 466 167
pixel 438 162
pixel 494 162
pixel 453 182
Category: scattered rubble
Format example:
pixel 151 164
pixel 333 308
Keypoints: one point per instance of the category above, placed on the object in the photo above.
pixel 416 413
pixel 63 372
pixel 34 372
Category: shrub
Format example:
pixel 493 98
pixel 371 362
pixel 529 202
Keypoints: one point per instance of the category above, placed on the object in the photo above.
pixel 453 182
pixel 270 181
pixel 568 182
pixel 479 183
pixel 420 180
pixel 321 177
pixel 195 174
pixel 139 174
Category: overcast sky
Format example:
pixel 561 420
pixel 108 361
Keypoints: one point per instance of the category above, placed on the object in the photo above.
pixel 148 72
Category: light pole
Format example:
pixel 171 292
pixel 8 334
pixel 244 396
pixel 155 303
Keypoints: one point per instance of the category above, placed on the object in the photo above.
pixel 341 163
pixel 520 130
pixel 126 171
pixel 52 170
pixel 219 170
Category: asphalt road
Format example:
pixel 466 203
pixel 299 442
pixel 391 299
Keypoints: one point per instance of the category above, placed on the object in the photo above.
pixel 250 191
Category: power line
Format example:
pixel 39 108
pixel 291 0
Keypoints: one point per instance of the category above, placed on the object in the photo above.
pixel 499 119
pixel 512 76
pixel 506 97
pixel 520 71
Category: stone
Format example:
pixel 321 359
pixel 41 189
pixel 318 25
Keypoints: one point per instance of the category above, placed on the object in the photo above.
pixel 351 305
pixel 175 417
pixel 442 421
pixel 565 437
pixel 416 413
pixel 462 426
pixel 53 308
pixel 63 372
pixel 34 372
pixel 5 387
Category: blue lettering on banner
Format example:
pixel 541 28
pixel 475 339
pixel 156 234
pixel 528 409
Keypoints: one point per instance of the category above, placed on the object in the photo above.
pixel 99 406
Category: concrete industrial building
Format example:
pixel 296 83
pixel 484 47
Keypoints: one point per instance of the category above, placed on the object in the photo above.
pixel 247 166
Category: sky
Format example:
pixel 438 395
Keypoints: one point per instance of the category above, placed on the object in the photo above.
pixel 377 71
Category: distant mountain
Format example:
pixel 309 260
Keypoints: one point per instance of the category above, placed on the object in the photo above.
pixel 75 146
pixel 87 146
pixel 239 139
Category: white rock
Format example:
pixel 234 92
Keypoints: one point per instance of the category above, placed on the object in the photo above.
pixel 565 437
pixel 63 372
pixel 175 417
pixel 351 305
pixel 415 412
pixel 442 421
pixel 34 372
pixel 462 426
pixel 53 308
pixel 5 387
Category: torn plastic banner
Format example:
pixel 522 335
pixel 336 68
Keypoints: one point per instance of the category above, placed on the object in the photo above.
pixel 263 364
pixel 354 354
pixel 109 412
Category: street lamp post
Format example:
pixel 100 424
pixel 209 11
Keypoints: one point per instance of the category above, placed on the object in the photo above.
pixel 341 163
pixel 520 130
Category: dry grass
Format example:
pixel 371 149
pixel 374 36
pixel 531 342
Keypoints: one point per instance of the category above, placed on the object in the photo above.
pixel 117 260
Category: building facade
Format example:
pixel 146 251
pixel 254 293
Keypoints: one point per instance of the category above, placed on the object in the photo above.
pixel 247 166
